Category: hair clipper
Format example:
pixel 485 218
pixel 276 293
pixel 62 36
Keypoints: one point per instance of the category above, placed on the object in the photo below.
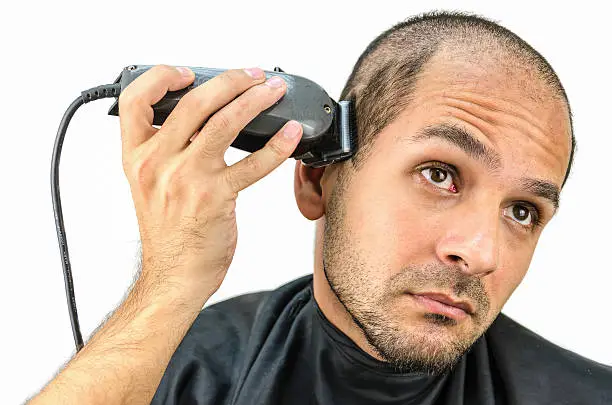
pixel 329 127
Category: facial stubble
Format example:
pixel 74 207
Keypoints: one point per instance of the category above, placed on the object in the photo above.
pixel 433 350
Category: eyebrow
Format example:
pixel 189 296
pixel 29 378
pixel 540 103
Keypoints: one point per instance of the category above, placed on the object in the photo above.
pixel 477 150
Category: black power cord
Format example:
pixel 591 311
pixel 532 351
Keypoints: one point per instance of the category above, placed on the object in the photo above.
pixel 104 91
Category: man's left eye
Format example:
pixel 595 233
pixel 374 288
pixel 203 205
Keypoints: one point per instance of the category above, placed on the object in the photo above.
pixel 439 177
pixel 521 214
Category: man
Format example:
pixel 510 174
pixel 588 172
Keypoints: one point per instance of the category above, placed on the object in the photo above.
pixel 465 141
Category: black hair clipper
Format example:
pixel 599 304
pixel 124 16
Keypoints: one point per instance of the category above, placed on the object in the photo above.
pixel 329 136
pixel 329 127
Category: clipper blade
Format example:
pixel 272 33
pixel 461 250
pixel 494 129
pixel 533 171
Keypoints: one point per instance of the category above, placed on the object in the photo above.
pixel 339 145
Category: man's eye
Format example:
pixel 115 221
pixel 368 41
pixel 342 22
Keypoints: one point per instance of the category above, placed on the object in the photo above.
pixel 439 177
pixel 521 214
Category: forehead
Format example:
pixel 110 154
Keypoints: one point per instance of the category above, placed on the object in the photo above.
pixel 503 103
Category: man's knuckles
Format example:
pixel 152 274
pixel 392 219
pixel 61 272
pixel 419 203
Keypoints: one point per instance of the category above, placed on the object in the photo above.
pixel 156 78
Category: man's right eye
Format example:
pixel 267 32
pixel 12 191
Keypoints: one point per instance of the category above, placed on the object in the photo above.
pixel 439 177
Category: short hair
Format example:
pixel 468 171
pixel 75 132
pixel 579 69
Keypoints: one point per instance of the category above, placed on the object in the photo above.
pixel 385 75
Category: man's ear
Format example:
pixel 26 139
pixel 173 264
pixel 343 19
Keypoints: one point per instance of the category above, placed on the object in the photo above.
pixel 308 190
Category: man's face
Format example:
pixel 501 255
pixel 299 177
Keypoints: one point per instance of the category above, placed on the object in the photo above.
pixel 449 206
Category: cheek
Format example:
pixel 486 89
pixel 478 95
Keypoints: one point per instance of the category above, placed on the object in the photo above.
pixel 389 227
pixel 501 284
pixel 416 231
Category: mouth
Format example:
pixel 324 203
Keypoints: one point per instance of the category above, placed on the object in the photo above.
pixel 444 305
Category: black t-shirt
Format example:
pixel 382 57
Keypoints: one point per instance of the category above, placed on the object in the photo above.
pixel 278 348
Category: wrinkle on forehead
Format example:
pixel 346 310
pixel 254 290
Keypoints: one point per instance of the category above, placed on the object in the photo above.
pixel 501 104
pixel 501 120
pixel 500 72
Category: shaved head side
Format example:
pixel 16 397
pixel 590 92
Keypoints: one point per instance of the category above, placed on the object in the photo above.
pixel 464 135
pixel 386 74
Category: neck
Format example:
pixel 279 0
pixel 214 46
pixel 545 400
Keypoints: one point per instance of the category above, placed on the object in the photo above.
pixel 327 300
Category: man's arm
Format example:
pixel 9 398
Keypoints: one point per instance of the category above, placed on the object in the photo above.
pixel 124 361
pixel 185 199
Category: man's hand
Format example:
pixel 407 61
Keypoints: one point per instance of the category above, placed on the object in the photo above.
pixel 185 196
pixel 184 193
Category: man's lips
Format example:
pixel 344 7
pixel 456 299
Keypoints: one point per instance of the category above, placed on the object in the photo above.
pixel 444 305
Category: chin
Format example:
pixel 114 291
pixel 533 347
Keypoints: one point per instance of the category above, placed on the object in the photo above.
pixel 424 342
pixel 424 351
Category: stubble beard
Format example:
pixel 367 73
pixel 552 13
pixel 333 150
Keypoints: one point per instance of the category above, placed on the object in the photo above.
pixel 431 350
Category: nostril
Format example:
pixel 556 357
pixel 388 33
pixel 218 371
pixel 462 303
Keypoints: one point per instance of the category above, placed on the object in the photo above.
pixel 454 258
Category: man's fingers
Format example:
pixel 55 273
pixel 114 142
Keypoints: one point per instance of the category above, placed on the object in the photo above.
pixel 201 102
pixel 258 164
pixel 135 101
pixel 223 127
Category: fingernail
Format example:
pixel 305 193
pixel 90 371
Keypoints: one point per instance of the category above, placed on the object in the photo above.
pixel 274 81
pixel 184 71
pixel 291 130
pixel 255 73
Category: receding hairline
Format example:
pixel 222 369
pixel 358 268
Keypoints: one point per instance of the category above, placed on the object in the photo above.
pixel 384 78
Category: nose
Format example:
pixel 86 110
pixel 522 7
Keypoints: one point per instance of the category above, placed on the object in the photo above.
pixel 471 241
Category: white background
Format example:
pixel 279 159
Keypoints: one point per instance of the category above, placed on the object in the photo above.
pixel 51 51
